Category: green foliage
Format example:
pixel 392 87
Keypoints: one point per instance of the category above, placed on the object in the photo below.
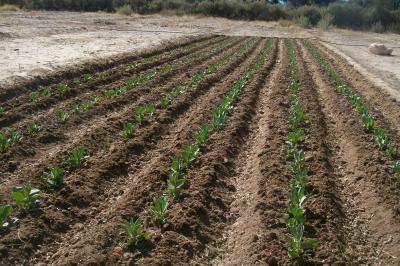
pixel 62 88
pixel 135 234
pixel 129 129
pixel 34 128
pixel 5 218
pixel 4 143
pixel 34 97
pixel 26 197
pixel 159 210
pixel 54 178
pixel 2 111
pixel 201 136
pixel 77 157
pixel 176 181
pixel 165 102
pixel 142 111
pixel 15 138
pixel 87 77
pixel 190 153
pixel 62 116
pixel 46 92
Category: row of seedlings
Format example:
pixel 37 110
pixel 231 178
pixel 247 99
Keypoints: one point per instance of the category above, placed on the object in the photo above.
pixel 369 123
pixel 27 198
pixel 298 168
pixel 6 142
pixel 134 230
pixel 146 111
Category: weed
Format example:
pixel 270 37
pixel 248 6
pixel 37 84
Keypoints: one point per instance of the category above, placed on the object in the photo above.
pixel 159 210
pixel 26 197
pixel 135 233
pixel 5 218
pixel 77 157
pixel 53 179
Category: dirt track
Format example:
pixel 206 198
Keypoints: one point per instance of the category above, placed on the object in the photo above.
pixel 233 208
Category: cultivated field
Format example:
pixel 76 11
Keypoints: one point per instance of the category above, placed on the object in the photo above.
pixel 219 150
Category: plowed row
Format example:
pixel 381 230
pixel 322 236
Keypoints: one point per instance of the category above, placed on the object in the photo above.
pixel 235 203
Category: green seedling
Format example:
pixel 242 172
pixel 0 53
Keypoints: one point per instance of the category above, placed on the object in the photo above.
pixel 165 102
pixel 110 93
pixel 178 91
pixel 5 218
pixel 76 108
pixel 61 88
pixel 15 138
pixel 2 111
pixel 129 129
pixel 34 128
pixel 87 77
pixel 62 116
pixel 368 123
pixel 299 116
pixel 202 135
pixel 142 111
pixel 176 181
pixel 86 105
pixel 95 100
pixel 159 210
pixel 120 90
pixel 190 153
pixel 4 143
pixel 46 92
pixel 396 169
pixel 26 197
pixel 77 157
pixel 54 178
pixel 135 234
pixel 296 136
pixel 297 243
pixel 34 97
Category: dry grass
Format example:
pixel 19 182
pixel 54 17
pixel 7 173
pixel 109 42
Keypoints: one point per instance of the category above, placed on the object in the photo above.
pixel 125 10
pixel 7 8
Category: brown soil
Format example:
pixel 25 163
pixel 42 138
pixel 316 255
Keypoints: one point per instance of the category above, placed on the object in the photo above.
pixel 233 209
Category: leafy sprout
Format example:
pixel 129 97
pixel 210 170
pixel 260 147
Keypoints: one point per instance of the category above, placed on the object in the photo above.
pixel 26 197
pixel 34 128
pixel 190 153
pixel 202 135
pixel 176 181
pixel 15 138
pixel 34 97
pixel 135 234
pixel 159 210
pixel 4 143
pixel 62 88
pixel 77 157
pixel 142 111
pixel 54 178
pixel 5 218
pixel 129 129
pixel 165 102
pixel 2 111
pixel 62 116
pixel 46 92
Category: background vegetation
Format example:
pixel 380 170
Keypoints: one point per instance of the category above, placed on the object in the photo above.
pixel 376 15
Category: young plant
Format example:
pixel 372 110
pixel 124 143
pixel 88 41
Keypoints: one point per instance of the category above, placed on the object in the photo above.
pixel 159 210
pixel 4 143
pixel 77 158
pixel 61 88
pixel 165 102
pixel 87 77
pixel 129 129
pixel 396 169
pixel 190 153
pixel 62 116
pixel 34 97
pixel 54 178
pixel 76 108
pixel 15 138
pixel 86 105
pixel 142 111
pixel 46 92
pixel 176 181
pixel 135 233
pixel 5 218
pixel 2 111
pixel 26 197
pixel 202 135
pixel 34 128
pixel 110 93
